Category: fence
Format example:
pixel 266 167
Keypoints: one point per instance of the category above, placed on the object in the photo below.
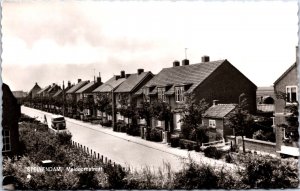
pixel 95 155
pixel 257 145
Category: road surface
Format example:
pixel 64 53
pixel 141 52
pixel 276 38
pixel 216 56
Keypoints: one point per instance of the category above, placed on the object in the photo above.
pixel 123 149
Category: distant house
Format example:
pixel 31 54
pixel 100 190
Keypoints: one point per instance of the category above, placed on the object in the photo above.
pixel 33 92
pixel 20 95
pixel 129 87
pixel 209 80
pixel 43 92
pixel 10 118
pixel 106 88
pixel 286 89
pixel 214 118
pixel 71 97
pixel 52 90
pixel 85 94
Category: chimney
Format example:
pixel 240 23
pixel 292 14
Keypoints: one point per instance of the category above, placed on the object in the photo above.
pixel 215 102
pixel 185 62
pixel 69 84
pixel 98 79
pixel 140 71
pixel 36 83
pixel 205 59
pixel 122 74
pixel 53 84
pixel 127 75
pixel 176 63
pixel 79 80
pixel 117 77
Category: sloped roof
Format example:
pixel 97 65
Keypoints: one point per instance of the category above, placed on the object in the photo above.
pixel 193 74
pixel 132 81
pixel 112 82
pixel 77 87
pixel 219 110
pixel 36 86
pixel 86 87
pixel 286 72
pixel 44 89
pixel 50 89
pixel 57 93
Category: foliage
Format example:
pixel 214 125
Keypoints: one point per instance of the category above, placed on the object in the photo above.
pixel 133 129
pixel 121 126
pixel 264 136
pixel 102 101
pixel 192 117
pixel 240 119
pixel 199 134
pixel 270 173
pixel 174 141
pixel 155 135
pixel 187 144
pixel 212 152
pixel 293 123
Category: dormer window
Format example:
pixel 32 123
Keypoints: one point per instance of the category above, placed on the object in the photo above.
pixel 291 94
pixel 161 94
pixel 179 93
pixel 146 94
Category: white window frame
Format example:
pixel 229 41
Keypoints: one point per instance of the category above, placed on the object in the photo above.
pixel 179 93
pixel 158 123
pixel 212 123
pixel 6 140
pixel 288 91
pixel 161 93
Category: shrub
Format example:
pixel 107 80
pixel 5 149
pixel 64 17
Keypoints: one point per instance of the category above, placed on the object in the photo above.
pixel 174 141
pixel 190 145
pixel 196 177
pixel 121 126
pixel 64 138
pixel 115 176
pixel 212 152
pixel 229 158
pixel 107 123
pixel 133 130
pixel 155 135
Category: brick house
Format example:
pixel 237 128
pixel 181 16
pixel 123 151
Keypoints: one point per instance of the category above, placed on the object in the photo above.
pixel 10 118
pixel 106 89
pixel 85 93
pixel 59 96
pixel 209 80
pixel 286 88
pixel 43 92
pixel 52 90
pixel 214 118
pixel 129 87
pixel 33 92
pixel 72 98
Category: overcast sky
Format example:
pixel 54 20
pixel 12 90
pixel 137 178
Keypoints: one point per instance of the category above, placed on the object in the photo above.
pixel 51 41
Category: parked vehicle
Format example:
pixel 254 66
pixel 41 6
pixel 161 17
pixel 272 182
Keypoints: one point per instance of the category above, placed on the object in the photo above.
pixel 58 122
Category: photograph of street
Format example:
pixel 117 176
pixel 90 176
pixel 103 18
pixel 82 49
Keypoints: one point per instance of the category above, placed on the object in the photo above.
pixel 101 95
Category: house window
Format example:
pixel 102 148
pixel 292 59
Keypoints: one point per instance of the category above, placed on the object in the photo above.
pixel 6 141
pixel 291 94
pixel 119 97
pixel 161 94
pixel 146 94
pixel 179 94
pixel 212 123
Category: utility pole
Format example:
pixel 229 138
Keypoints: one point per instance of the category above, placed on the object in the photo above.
pixel 63 91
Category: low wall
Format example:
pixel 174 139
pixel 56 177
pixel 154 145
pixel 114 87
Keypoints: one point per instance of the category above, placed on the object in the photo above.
pixel 253 144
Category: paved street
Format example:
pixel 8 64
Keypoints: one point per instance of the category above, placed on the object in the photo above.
pixel 123 149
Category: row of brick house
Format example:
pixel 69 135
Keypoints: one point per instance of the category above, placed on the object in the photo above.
pixel 218 82
pixel 209 80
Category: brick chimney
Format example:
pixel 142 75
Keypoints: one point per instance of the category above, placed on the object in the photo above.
pixel 176 63
pixel 117 77
pixel 69 84
pixel 205 59
pixel 185 62
pixel 122 74
pixel 127 75
pixel 79 80
pixel 140 71
pixel 98 79
pixel 215 102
